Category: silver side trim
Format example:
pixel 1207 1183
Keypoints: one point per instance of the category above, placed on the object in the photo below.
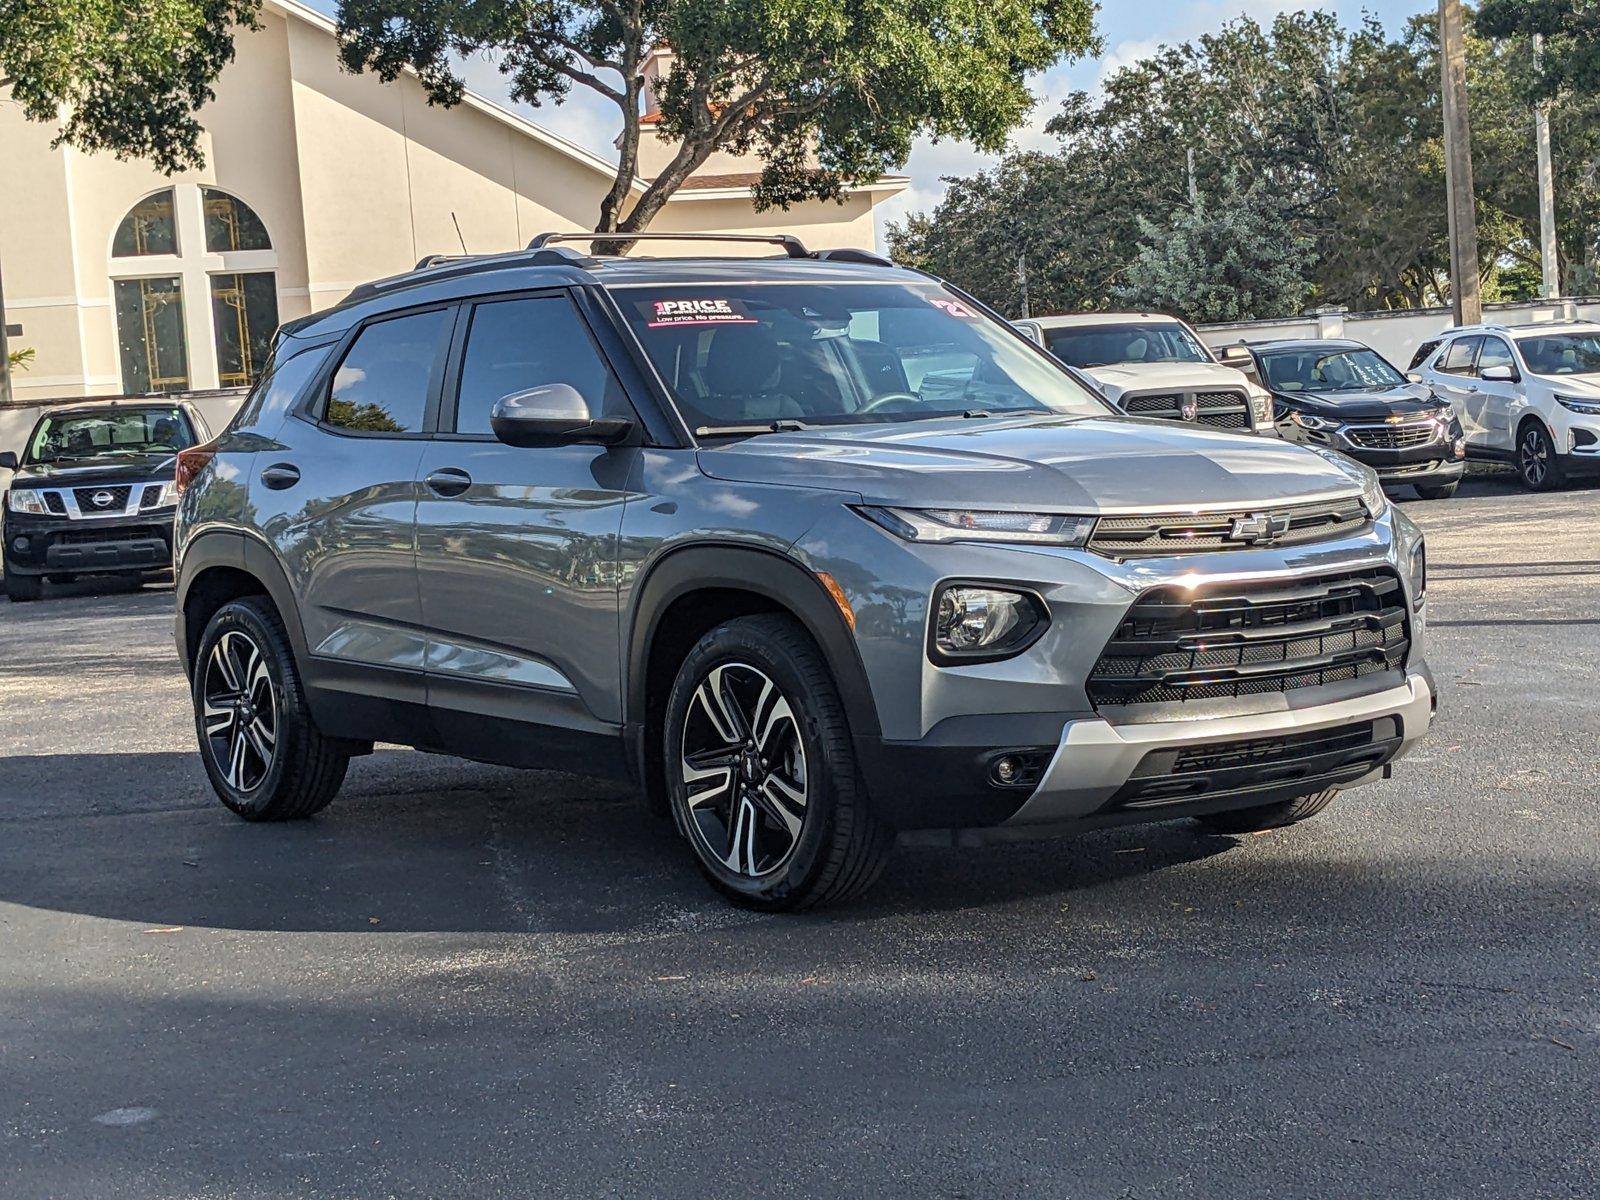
pixel 69 501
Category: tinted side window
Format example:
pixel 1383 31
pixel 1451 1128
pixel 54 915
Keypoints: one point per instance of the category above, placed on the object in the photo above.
pixel 382 384
pixel 1458 357
pixel 1424 352
pixel 284 380
pixel 514 345
pixel 1495 353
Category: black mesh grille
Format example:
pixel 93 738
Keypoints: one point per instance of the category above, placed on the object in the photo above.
pixel 1393 437
pixel 85 496
pixel 1147 534
pixel 90 536
pixel 1177 645
pixel 1217 409
pixel 151 496
pixel 54 502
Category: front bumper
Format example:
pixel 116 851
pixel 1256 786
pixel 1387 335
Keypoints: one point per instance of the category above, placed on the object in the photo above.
pixel 35 545
pixel 1442 460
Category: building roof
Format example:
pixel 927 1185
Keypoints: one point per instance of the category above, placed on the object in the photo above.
pixel 300 11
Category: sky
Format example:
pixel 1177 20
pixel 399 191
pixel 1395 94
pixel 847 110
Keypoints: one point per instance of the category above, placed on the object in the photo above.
pixel 1130 30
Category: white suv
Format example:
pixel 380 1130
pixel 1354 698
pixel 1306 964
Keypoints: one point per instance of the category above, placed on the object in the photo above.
pixel 1154 365
pixel 1526 394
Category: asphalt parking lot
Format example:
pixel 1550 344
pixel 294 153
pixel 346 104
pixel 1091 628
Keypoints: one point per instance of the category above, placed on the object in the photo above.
pixel 468 981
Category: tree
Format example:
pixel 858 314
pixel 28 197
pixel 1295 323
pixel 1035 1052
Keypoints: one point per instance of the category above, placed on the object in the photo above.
pixel 128 77
pixel 828 92
pixel 1570 56
pixel 1237 259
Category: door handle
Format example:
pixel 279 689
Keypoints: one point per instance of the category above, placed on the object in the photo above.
pixel 448 481
pixel 281 475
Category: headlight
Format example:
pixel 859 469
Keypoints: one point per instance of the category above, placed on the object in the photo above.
pixel 26 501
pixel 971 525
pixel 1261 404
pixel 1590 408
pixel 979 622
pixel 1372 497
pixel 1311 421
pixel 1419 574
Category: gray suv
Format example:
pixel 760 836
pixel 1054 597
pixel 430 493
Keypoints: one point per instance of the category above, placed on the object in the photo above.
pixel 815 550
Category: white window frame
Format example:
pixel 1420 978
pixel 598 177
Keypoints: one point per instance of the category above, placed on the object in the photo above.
pixel 194 266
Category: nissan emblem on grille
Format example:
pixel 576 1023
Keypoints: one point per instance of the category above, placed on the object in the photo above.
pixel 1257 529
pixel 102 499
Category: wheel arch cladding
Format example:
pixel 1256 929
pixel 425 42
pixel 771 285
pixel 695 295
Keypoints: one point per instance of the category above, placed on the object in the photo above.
pixel 223 566
pixel 693 590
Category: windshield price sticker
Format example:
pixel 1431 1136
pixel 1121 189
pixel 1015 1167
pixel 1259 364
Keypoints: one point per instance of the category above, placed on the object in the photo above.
pixel 661 313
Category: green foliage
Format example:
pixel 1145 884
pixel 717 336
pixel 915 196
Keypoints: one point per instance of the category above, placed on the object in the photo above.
pixel 827 92
pixel 1570 59
pixel 1339 135
pixel 128 76
pixel 1237 259
pixel 20 360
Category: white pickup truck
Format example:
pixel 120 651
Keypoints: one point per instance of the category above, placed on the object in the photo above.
pixel 1153 365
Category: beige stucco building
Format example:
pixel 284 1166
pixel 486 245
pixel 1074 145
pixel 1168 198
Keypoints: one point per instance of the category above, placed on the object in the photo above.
pixel 124 280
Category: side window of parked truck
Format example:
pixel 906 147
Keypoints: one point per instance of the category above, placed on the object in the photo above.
pixel 382 384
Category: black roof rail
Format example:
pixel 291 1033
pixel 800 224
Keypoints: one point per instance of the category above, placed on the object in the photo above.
pixel 792 245
pixel 851 255
pixel 450 266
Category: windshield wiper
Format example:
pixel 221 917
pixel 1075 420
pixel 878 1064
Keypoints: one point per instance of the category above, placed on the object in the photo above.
pixel 751 430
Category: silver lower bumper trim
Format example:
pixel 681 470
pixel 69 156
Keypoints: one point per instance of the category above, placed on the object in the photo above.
pixel 1096 758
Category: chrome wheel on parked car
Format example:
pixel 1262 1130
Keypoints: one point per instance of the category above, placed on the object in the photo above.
pixel 1536 458
pixel 241 711
pixel 744 771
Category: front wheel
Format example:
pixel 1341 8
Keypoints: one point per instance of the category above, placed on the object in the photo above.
pixel 1437 491
pixel 1536 459
pixel 761 773
pixel 23 587
pixel 266 759
pixel 1269 816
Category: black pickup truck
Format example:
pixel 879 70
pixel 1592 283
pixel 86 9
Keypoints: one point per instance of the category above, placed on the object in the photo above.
pixel 92 494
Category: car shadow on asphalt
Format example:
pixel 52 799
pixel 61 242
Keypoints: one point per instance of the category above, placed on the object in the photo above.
pixel 425 843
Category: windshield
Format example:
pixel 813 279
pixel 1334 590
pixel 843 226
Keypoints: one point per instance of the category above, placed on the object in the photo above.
pixel 839 354
pixel 1086 346
pixel 1318 371
pixel 114 433
pixel 1562 353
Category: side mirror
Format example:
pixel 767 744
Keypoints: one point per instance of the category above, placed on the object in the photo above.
pixel 1499 374
pixel 554 415
pixel 8 460
pixel 1413 376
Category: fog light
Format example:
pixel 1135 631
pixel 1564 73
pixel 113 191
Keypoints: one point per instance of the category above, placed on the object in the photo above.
pixel 1007 770
pixel 1458 448
pixel 19 544
pixel 977 622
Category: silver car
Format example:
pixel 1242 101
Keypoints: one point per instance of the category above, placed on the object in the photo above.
pixel 815 550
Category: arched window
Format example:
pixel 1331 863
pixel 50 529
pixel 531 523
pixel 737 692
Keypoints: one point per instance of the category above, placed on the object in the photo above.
pixel 192 266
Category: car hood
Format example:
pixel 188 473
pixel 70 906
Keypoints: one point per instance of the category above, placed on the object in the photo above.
pixel 1584 387
pixel 1070 464
pixel 1409 399
pixel 1117 378
pixel 87 472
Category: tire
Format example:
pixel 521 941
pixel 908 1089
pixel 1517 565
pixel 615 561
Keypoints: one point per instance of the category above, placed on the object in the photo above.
pixel 20 588
pixel 1269 816
pixel 265 757
pixel 1437 491
pixel 1538 465
pixel 764 787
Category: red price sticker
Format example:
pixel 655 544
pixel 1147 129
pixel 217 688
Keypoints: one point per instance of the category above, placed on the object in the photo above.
pixel 660 313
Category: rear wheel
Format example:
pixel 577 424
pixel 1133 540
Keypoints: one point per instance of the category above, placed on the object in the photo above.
pixel 266 759
pixel 23 587
pixel 1269 816
pixel 761 773
pixel 1437 491
pixel 1537 461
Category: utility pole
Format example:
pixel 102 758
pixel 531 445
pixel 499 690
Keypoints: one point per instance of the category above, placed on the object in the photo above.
pixel 1551 266
pixel 5 351
pixel 1465 297
pixel 1022 281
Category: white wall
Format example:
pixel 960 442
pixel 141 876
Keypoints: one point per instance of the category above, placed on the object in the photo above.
pixel 1395 335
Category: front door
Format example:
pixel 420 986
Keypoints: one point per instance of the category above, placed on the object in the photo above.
pixel 1499 400
pixel 1456 377
pixel 338 496
pixel 517 546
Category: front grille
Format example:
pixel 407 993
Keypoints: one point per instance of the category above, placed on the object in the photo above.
pixel 1219 410
pixel 54 502
pixel 86 502
pixel 1178 645
pixel 1392 437
pixel 1298 762
pixel 1149 534
pixel 119 533
pixel 151 496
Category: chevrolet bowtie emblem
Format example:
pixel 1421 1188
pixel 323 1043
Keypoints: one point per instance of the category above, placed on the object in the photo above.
pixel 1259 529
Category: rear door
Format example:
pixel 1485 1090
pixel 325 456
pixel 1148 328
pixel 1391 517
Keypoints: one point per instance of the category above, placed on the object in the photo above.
pixel 337 496
pixel 517 546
